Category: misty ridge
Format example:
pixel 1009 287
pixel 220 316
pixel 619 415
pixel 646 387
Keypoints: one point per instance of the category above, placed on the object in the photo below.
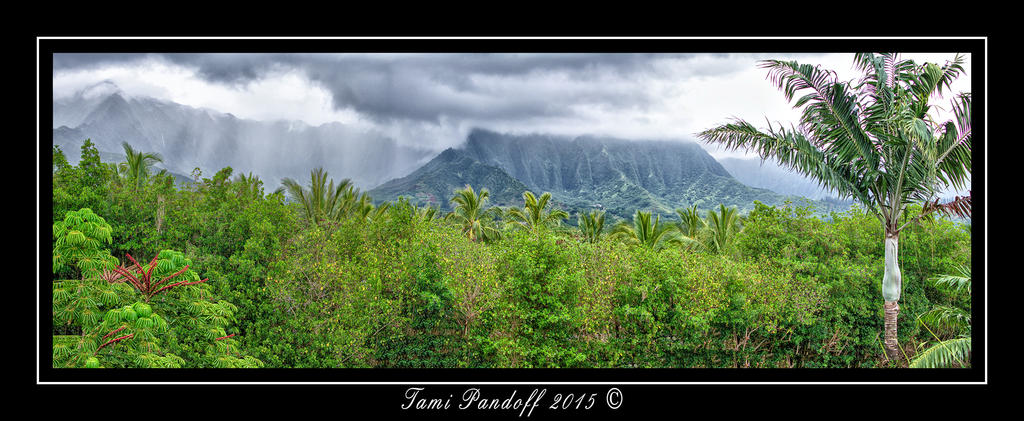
pixel 188 137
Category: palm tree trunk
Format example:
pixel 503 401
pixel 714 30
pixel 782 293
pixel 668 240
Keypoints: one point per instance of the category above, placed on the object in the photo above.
pixel 891 287
pixel 159 213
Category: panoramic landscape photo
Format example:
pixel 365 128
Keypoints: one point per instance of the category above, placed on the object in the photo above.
pixel 543 210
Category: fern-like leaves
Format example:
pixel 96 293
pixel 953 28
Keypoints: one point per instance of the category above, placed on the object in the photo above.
pixel 944 354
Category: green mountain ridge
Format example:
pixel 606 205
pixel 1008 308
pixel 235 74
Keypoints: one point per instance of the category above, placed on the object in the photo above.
pixel 582 173
pixel 435 182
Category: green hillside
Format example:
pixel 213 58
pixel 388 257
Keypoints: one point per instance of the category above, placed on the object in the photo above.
pixel 435 182
pixel 582 174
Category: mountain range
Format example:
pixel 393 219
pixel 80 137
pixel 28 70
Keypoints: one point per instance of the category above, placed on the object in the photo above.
pixel 770 175
pixel 582 173
pixel 189 137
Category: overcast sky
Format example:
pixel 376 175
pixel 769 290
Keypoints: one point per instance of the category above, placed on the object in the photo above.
pixel 434 99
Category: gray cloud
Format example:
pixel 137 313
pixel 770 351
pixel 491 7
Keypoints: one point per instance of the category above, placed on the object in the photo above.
pixel 77 61
pixel 432 100
pixel 430 87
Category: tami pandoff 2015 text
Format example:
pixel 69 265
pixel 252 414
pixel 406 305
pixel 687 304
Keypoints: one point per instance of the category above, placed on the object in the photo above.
pixel 524 402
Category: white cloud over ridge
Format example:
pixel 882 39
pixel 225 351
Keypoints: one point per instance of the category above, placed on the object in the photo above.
pixel 433 100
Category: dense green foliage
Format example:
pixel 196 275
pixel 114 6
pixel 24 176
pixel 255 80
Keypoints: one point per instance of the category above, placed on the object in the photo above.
pixel 405 287
pixel 949 325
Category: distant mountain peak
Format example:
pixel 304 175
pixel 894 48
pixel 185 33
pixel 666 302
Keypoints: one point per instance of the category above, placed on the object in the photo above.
pixel 580 172
pixel 448 153
pixel 102 88
pixel 190 137
pixel 113 106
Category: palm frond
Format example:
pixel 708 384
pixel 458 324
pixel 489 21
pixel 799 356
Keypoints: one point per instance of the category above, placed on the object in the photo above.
pixel 792 149
pixel 723 227
pixel 944 354
pixel 690 222
pixel 959 282
pixel 591 225
pixel 831 112
pixel 945 321
pixel 645 232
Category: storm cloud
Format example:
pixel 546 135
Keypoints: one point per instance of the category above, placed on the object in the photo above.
pixel 433 100
pixel 429 87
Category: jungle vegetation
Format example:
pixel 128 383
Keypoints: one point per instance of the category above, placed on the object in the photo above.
pixel 224 273
pixel 235 278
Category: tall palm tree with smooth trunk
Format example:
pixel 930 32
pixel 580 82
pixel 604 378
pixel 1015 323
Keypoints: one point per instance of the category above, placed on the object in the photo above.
pixel 136 172
pixel 877 140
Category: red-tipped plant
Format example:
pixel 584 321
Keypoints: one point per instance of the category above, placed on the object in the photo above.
pixel 141 278
pixel 128 336
pixel 228 349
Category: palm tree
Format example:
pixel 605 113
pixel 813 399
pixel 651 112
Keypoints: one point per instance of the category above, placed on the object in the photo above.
pixel 470 214
pixel 874 141
pixel 135 171
pixel 137 166
pixel 322 200
pixel 690 223
pixel 250 186
pixel 646 233
pixel 365 209
pixel 533 216
pixel 723 227
pixel 591 225
pixel 427 213
pixel 947 321
pixel 419 215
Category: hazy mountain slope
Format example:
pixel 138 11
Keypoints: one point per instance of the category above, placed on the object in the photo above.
pixel 617 175
pixel 435 182
pixel 772 176
pixel 582 173
pixel 188 137
pixel 568 164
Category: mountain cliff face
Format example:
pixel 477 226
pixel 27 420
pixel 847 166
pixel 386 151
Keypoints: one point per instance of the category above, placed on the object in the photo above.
pixel 571 164
pixel 188 137
pixel 434 183
pixel 586 173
